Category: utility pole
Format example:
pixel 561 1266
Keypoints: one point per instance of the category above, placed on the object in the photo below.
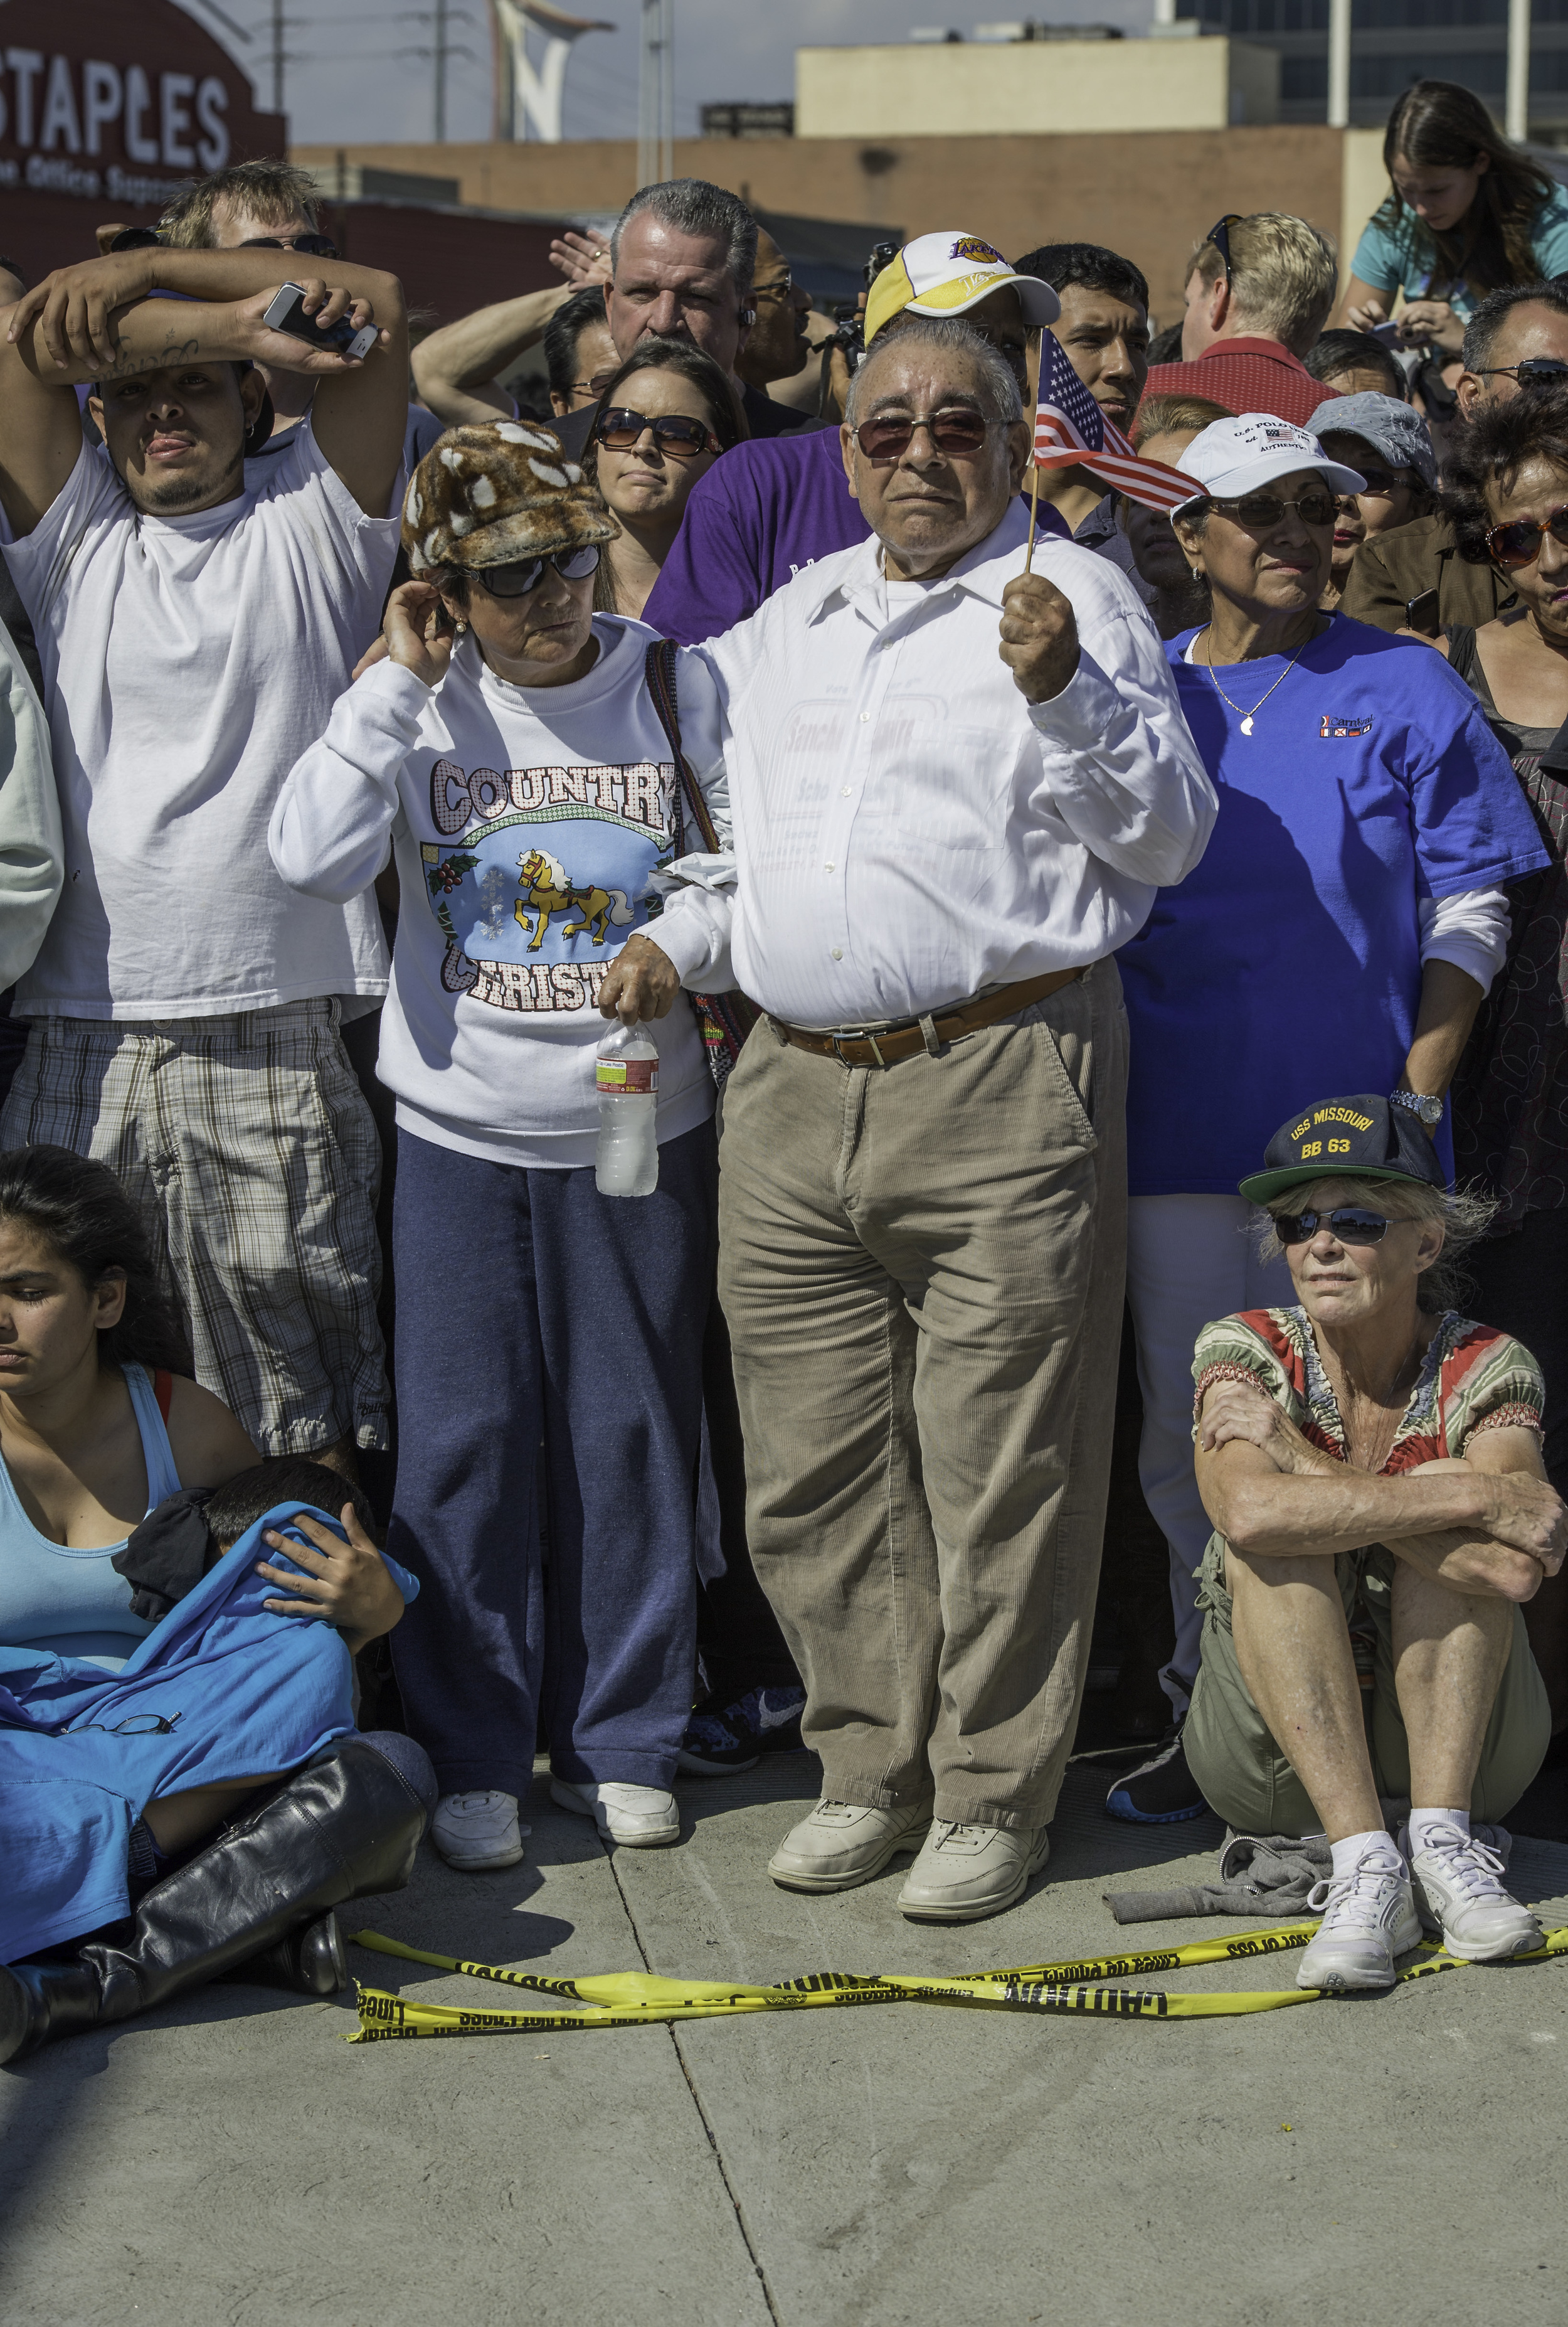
pixel 656 94
pixel 1518 80
pixel 1339 64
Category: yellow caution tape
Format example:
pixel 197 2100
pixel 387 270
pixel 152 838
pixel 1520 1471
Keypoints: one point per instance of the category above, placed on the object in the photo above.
pixel 640 1999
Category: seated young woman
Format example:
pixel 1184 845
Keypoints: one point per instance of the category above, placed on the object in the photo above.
pixel 100 1425
pixel 1372 1448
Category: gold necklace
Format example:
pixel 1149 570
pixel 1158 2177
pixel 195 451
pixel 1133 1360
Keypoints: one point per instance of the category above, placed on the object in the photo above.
pixel 1246 717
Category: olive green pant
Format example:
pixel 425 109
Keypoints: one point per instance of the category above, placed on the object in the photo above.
pixel 1248 1780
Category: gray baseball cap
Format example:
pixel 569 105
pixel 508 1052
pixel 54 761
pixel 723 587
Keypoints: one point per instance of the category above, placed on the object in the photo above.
pixel 1390 428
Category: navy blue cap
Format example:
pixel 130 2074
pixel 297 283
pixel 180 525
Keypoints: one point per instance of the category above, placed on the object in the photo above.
pixel 1360 1138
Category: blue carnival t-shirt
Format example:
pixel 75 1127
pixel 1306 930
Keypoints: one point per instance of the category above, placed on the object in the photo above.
pixel 1286 967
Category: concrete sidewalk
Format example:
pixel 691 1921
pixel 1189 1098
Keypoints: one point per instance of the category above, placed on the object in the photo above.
pixel 231 2160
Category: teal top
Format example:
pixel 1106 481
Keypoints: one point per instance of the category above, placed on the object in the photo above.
pixel 1386 259
pixel 68 1599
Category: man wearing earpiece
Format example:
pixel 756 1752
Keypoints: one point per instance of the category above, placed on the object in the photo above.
pixel 195 627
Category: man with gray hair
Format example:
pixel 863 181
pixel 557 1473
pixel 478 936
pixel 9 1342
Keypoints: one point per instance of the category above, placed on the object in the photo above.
pixel 681 257
pixel 922 1178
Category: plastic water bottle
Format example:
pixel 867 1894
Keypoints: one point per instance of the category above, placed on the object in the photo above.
pixel 626 1076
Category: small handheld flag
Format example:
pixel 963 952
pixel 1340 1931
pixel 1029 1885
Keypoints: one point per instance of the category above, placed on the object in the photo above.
pixel 1070 431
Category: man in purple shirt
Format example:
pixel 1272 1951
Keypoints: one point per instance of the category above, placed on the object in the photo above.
pixel 768 509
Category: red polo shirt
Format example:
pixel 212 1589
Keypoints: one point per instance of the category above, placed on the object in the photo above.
pixel 1246 376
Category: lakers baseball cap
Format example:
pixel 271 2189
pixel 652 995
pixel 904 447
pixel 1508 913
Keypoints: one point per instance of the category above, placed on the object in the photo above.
pixel 1360 1138
pixel 1232 457
pixel 948 273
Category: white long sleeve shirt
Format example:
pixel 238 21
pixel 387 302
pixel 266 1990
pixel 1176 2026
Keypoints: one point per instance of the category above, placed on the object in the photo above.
pixel 908 830
pixel 526 825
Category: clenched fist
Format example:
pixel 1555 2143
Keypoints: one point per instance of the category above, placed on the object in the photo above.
pixel 1039 640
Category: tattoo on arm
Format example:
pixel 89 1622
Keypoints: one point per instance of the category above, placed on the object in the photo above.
pixel 129 366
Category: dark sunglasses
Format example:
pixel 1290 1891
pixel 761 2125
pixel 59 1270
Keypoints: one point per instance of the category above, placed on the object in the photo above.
pixel 315 245
pixel 516 579
pixel 1350 1226
pixel 1535 371
pixel 675 432
pixel 1518 543
pixel 960 430
pixel 1220 236
pixel 1263 509
pixel 1376 481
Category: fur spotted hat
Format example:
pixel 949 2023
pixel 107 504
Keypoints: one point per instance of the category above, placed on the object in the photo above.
pixel 487 495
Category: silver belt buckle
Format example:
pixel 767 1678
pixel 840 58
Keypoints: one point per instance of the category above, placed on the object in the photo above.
pixel 856 1034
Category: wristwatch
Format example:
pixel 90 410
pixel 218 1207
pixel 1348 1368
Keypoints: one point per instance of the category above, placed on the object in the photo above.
pixel 1426 1111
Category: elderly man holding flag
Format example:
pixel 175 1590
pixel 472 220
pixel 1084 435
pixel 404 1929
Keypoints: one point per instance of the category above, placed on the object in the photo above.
pixel 956 785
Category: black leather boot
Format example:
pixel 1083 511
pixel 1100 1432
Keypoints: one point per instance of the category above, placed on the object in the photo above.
pixel 347 1826
pixel 308 1962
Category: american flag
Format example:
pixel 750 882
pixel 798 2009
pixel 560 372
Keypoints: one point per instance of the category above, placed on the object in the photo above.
pixel 1070 431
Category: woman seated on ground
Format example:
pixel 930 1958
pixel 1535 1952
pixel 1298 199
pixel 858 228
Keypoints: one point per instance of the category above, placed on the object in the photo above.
pixel 664 419
pixel 100 1425
pixel 1372 1448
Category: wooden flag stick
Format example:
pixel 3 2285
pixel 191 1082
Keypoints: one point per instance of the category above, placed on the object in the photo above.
pixel 1034 514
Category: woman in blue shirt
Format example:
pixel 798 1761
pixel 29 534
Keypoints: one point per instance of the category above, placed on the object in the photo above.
pixel 1465 214
pixel 1339 933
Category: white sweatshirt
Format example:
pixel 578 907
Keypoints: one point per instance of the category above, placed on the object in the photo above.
pixel 526 826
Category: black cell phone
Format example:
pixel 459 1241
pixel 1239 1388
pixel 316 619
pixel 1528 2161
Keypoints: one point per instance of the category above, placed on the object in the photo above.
pixel 287 313
pixel 1421 614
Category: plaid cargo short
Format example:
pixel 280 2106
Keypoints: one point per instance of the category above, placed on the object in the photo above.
pixel 245 1143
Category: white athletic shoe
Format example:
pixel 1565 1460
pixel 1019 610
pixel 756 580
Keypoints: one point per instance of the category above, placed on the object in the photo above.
pixel 643 1817
pixel 1368 1918
pixel 1459 1895
pixel 842 1844
pixel 474 1831
pixel 966 1871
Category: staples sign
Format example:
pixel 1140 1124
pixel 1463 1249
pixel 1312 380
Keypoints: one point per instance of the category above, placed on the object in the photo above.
pixel 102 101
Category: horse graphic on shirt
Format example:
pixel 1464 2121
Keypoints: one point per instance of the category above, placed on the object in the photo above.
pixel 547 890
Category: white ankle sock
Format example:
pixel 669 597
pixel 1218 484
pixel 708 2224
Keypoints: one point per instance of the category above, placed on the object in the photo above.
pixel 1422 1823
pixel 1355 1847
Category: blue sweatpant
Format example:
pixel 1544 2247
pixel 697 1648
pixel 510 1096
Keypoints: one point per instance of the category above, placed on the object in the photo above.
pixel 540 1322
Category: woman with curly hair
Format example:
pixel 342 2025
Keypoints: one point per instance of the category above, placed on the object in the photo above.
pixel 1466 213
pixel 1507 499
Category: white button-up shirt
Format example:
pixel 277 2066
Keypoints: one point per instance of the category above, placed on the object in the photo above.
pixel 908 829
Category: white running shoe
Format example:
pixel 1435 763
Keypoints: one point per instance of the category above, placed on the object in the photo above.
pixel 474 1831
pixel 966 1871
pixel 1368 1918
pixel 643 1817
pixel 842 1844
pixel 1459 1895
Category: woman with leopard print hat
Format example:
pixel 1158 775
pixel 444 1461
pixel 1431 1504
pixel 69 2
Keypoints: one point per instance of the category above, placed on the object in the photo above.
pixel 509 757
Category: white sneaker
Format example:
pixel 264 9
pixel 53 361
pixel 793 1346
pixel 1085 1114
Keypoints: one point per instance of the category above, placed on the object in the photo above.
pixel 643 1817
pixel 1459 1895
pixel 474 1831
pixel 1368 1918
pixel 966 1871
pixel 841 1843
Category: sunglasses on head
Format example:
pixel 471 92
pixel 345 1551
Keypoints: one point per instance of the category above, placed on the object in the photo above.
pixel 1220 236
pixel 957 431
pixel 521 574
pixel 1350 1224
pixel 675 434
pixel 1262 509
pixel 1535 371
pixel 1518 543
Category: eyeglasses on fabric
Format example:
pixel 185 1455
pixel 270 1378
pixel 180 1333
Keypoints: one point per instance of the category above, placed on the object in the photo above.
pixel 957 431
pixel 1261 510
pixel 1350 1224
pixel 1518 543
pixel 315 245
pixel 1220 236
pixel 521 574
pixel 1535 371
pixel 675 434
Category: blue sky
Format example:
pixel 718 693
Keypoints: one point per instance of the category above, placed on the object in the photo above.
pixel 349 85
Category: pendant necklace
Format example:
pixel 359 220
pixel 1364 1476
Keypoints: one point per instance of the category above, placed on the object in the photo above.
pixel 1246 717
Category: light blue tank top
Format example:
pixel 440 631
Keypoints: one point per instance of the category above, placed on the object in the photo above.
pixel 69 1600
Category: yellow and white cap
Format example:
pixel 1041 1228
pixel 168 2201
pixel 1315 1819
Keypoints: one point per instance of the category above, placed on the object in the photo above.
pixel 948 273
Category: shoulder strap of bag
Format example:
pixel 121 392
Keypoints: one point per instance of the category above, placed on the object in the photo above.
pixel 163 1391
pixel 660 669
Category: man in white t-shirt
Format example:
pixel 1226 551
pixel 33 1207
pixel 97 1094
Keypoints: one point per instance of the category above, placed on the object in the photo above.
pixel 196 623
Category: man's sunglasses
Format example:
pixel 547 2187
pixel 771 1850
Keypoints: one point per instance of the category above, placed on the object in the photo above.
pixel 1518 543
pixel 675 432
pixel 1259 510
pixel 1535 371
pixel 1349 1225
pixel 595 386
pixel 958 431
pixel 522 574
pixel 1220 236
pixel 315 245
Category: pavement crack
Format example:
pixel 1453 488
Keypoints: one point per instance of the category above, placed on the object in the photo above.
pixel 724 2171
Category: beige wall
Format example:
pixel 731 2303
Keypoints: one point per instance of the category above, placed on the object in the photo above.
pixel 985 88
pixel 1152 197
pixel 1366 182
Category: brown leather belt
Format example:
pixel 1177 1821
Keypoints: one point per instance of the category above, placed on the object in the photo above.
pixel 854 1046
